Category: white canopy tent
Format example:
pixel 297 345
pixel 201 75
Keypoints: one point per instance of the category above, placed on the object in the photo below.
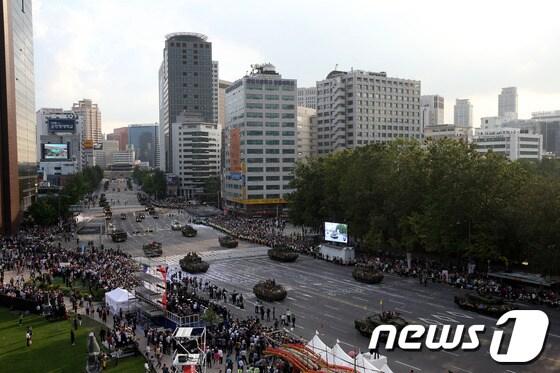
pixel 364 363
pixel 320 348
pixel 118 299
pixel 341 358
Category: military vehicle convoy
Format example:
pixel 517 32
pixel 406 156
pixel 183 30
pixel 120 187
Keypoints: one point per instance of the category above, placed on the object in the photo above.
pixel 193 263
pixel 483 304
pixel 188 231
pixel 228 242
pixel 367 273
pixel 152 249
pixel 367 325
pixel 282 253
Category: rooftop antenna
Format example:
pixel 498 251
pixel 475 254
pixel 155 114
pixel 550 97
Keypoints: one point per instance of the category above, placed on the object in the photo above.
pixel 335 67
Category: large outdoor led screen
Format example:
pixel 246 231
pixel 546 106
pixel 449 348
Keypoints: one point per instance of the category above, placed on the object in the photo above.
pixel 336 232
pixel 55 151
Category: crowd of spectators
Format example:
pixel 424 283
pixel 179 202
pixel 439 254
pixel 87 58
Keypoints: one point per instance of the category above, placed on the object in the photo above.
pixel 467 278
pixel 263 231
pixel 35 252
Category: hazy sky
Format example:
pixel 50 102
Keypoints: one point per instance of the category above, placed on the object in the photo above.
pixel 110 50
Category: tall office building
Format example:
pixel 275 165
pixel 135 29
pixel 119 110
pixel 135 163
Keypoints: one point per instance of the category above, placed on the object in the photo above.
pixel 18 142
pixel 90 117
pixel 222 85
pixel 121 135
pixel 215 90
pixel 432 107
pixel 198 153
pixel 306 126
pixel 186 78
pixel 463 113
pixel 307 97
pixel 357 108
pixel 507 103
pixel 145 140
pixel 60 148
pixel 259 141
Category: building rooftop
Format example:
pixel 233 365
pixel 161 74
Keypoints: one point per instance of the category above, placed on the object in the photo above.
pixel 191 34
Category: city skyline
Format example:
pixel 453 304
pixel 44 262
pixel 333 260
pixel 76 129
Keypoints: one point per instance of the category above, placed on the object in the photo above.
pixel 94 54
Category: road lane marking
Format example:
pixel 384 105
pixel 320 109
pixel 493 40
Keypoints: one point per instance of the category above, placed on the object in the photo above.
pixel 407 365
pixel 401 310
pixel 331 307
pixel 451 353
pixel 461 369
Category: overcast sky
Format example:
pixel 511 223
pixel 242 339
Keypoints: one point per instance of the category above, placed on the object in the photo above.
pixel 110 50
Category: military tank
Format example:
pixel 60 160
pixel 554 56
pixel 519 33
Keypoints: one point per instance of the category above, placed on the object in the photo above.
pixel 193 263
pixel 228 242
pixel 367 273
pixel 483 304
pixel 188 231
pixel 152 249
pixel 269 291
pixel 367 325
pixel 282 254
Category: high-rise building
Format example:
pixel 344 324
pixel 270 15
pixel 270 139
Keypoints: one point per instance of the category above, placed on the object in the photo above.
pixel 60 145
pixel 215 90
pixel 90 118
pixel 18 148
pixel 432 110
pixel 198 148
pixel 44 116
pixel 463 113
pixel 306 124
pixel 507 103
pixel 121 135
pixel 357 108
pixel 307 97
pixel 186 78
pixel 222 85
pixel 145 140
pixel 260 141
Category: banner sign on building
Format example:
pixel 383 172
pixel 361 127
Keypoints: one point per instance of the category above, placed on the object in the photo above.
pixel 235 150
pixel 61 124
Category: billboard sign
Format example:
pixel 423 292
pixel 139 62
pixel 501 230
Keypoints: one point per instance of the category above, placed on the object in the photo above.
pixel 336 232
pixel 172 179
pixel 61 124
pixel 55 151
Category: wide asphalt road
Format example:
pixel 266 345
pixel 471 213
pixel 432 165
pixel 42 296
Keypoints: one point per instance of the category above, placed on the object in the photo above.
pixel 324 297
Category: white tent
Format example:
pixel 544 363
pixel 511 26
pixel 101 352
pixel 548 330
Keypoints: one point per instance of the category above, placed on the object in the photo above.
pixel 379 362
pixel 364 363
pixel 118 299
pixel 320 348
pixel 341 358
